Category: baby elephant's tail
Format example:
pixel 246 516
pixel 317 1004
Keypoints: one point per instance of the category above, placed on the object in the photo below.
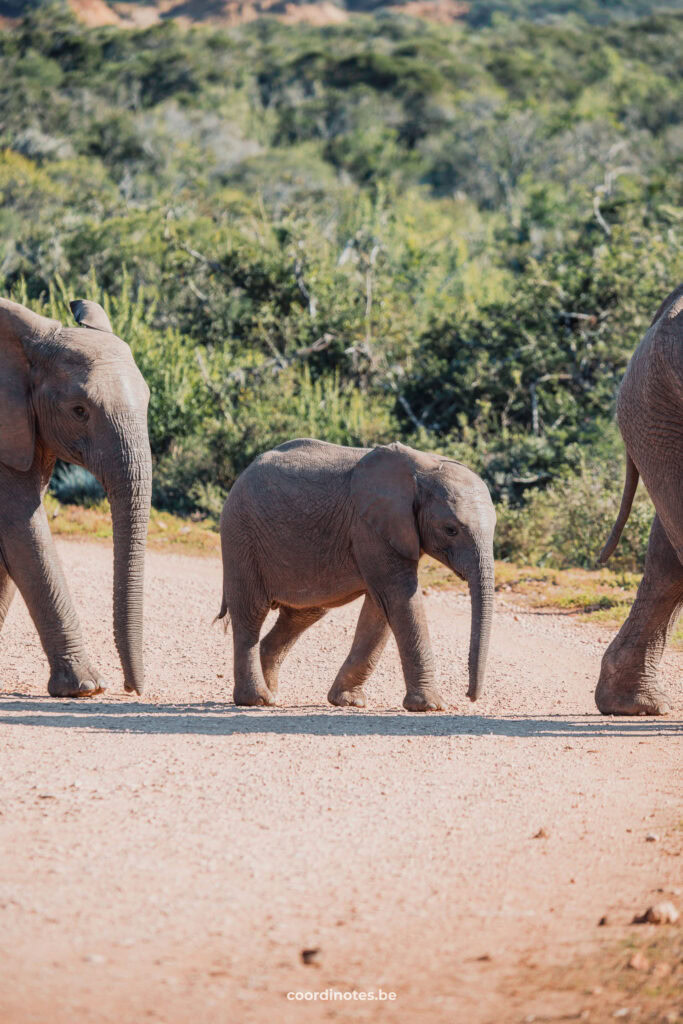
pixel 630 485
pixel 223 614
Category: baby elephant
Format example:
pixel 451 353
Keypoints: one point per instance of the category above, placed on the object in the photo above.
pixel 310 526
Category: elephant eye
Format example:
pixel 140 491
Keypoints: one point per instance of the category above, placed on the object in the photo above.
pixel 451 531
pixel 80 412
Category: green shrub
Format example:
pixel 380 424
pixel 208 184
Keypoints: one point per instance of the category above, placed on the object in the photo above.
pixel 568 523
pixel 382 229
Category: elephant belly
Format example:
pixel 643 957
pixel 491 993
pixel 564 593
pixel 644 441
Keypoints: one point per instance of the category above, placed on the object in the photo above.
pixel 324 585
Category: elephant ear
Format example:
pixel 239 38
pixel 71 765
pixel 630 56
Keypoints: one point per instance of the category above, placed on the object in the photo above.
pixel 17 424
pixel 90 314
pixel 383 491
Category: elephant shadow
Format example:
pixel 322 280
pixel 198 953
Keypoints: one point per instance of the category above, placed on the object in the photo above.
pixel 212 718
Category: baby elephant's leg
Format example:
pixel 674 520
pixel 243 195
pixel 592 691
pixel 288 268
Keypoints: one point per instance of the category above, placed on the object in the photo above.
pixel 291 623
pixel 372 633
pixel 250 686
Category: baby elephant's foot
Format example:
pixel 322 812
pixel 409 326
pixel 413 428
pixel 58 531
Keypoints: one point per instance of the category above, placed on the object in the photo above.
pixel 253 696
pixel 427 699
pixel 353 698
pixel 75 681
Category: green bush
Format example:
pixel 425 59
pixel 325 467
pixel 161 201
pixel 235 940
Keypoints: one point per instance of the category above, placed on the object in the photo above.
pixel 568 523
pixel 452 235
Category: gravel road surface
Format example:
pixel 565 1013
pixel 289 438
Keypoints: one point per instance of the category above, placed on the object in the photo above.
pixel 168 859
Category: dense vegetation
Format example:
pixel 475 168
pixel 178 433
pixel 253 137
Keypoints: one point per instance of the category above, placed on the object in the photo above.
pixel 455 236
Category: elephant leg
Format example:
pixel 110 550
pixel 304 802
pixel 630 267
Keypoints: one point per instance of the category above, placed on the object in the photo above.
pixel 372 633
pixel 7 592
pixel 250 686
pixel 628 682
pixel 31 559
pixel 406 615
pixel 276 645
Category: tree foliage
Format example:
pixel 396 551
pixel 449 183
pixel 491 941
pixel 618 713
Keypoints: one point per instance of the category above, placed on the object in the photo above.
pixel 382 229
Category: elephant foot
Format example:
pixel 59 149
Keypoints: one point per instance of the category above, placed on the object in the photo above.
pixel 353 698
pixel 641 701
pixel 272 682
pixel 427 699
pixel 253 696
pixel 75 681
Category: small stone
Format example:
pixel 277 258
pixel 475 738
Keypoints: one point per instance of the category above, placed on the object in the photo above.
pixel 310 956
pixel 661 970
pixel 603 921
pixel 652 837
pixel 623 1012
pixel 94 958
pixel 659 913
pixel 541 834
pixel 639 962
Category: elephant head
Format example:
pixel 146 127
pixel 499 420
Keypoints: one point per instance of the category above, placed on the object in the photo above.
pixel 429 503
pixel 75 393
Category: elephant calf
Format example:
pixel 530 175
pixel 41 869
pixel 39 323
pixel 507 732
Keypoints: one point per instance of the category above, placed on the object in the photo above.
pixel 310 526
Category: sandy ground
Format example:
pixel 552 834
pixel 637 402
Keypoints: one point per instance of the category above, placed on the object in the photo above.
pixel 169 859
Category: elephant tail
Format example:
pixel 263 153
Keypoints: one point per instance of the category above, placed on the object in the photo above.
pixel 630 485
pixel 223 614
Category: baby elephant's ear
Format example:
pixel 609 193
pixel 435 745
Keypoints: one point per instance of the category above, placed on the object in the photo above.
pixel 90 314
pixel 383 491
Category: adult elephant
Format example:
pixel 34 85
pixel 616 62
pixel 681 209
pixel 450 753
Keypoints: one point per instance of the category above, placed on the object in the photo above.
pixel 650 417
pixel 72 393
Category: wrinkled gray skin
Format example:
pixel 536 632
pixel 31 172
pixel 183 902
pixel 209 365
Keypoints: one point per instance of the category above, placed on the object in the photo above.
pixel 72 393
pixel 310 526
pixel 650 417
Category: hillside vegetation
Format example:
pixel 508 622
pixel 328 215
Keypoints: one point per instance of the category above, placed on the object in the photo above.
pixel 452 235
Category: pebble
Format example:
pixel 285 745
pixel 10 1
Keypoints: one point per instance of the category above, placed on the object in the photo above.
pixel 639 962
pixel 310 956
pixel 541 834
pixel 659 913
pixel 652 837
pixel 94 958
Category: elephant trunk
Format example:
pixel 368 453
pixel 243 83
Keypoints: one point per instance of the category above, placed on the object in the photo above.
pixel 480 581
pixel 129 488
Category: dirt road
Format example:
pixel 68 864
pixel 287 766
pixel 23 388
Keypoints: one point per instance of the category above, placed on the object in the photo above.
pixel 169 859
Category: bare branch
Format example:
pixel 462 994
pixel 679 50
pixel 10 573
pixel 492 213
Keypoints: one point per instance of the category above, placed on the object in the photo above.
pixel 217 268
pixel 301 285
pixel 599 217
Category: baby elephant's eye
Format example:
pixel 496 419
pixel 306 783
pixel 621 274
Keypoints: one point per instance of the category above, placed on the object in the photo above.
pixel 451 531
pixel 80 412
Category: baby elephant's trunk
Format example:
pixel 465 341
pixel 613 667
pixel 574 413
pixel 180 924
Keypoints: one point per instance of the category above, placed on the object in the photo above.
pixel 481 584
